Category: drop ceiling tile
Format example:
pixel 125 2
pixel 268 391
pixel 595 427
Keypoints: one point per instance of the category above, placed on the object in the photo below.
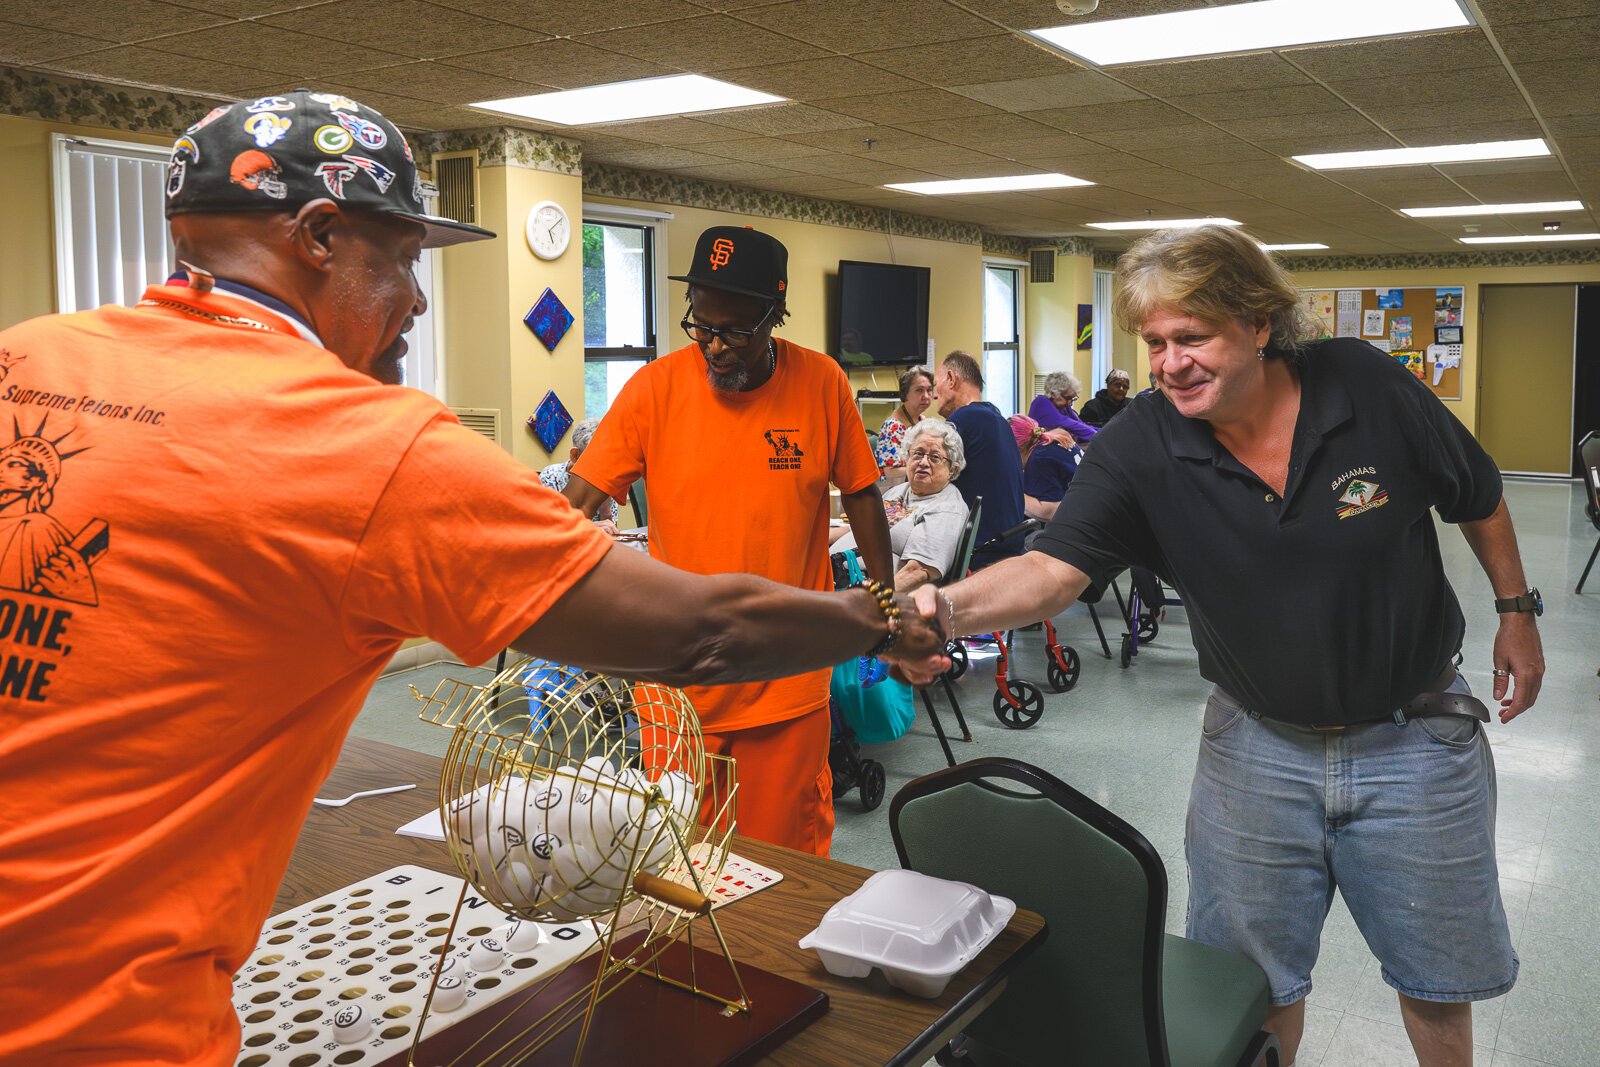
pixel 776 120
pixel 1342 121
pixel 1398 116
pixel 1465 88
pixel 1542 165
pixel 277 50
pixel 916 105
pixel 114 20
pixel 1045 144
pixel 569 18
pixel 1565 126
pixel 146 66
pixel 884 138
pixel 760 149
pixel 645 156
pixel 1425 54
pixel 1565 104
pixel 562 63
pixel 1584 150
pixel 990 168
pixel 817 185
pixel 733 171
pixel 862 24
pixel 1541 42
pixel 1125 115
pixel 1507 12
pixel 426 117
pixel 1560 75
pixel 1084 163
pixel 1078 88
pixel 1308 100
pixel 978 132
pixel 408 27
pixel 954 63
pixel 437 82
pixel 23 45
pixel 660 131
pixel 810 79
pixel 856 169
pixel 1179 78
pixel 937 159
pixel 1161 139
pixel 1505 188
pixel 1032 15
pixel 706 43
pixel 244 9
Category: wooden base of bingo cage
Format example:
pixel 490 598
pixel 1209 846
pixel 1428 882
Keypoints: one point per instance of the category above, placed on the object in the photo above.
pixel 644 1021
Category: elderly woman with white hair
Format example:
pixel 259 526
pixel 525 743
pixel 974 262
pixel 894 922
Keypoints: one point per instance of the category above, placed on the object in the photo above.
pixel 1109 402
pixel 1052 409
pixel 925 512
pixel 555 475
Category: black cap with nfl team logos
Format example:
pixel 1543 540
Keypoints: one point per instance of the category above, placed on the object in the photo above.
pixel 739 260
pixel 279 152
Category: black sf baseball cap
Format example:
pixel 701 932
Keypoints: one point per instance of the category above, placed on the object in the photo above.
pixel 740 260
pixel 280 152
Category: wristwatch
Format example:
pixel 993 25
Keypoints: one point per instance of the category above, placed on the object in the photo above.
pixel 1529 601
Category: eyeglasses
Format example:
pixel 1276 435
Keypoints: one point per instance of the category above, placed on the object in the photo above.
pixel 933 458
pixel 700 333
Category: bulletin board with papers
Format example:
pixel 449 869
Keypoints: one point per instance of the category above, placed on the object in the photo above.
pixel 1419 328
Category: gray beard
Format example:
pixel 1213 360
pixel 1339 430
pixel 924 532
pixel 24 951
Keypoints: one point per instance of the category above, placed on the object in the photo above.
pixel 729 383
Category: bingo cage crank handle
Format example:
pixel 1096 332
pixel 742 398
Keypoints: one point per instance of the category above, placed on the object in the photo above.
pixel 673 894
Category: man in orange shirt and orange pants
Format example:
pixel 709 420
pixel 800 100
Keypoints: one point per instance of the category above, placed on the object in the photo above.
pixel 738 436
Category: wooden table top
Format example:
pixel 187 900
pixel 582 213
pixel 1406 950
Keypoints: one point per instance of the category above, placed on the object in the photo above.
pixel 867 1020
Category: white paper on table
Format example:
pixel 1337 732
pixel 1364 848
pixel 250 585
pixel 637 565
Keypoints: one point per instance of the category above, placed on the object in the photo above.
pixel 429 827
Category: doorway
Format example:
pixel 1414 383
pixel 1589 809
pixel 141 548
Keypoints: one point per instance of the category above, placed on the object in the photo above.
pixel 1586 374
pixel 1525 382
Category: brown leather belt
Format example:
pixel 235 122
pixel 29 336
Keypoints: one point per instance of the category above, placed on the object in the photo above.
pixel 1431 701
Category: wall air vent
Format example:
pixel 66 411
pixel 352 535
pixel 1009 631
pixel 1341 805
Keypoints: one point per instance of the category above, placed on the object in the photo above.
pixel 481 420
pixel 456 175
pixel 1042 265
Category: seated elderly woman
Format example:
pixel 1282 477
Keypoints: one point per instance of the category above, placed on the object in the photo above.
pixel 926 512
pixel 1052 409
pixel 1109 402
pixel 1047 468
pixel 555 475
pixel 916 396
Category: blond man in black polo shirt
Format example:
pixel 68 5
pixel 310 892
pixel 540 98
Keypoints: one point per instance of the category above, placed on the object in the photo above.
pixel 1285 490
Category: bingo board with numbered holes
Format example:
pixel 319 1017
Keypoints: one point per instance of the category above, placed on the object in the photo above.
pixel 367 951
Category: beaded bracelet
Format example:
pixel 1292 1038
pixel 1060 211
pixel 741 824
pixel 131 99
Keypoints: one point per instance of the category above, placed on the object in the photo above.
pixel 883 596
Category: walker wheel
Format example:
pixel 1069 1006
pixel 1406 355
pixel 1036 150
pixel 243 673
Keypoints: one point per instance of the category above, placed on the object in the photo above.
pixel 872 784
pixel 1148 626
pixel 1061 679
pixel 1127 651
pixel 1027 709
pixel 958 660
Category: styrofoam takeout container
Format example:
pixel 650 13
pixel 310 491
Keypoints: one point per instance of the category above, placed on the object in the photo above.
pixel 921 931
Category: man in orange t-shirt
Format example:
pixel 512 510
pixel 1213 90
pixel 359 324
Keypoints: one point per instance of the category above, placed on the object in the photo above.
pixel 738 436
pixel 220 519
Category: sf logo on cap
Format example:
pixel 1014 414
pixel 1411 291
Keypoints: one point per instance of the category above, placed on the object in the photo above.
pixel 721 252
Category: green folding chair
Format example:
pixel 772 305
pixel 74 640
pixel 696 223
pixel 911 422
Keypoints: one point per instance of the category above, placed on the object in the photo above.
pixel 1108 988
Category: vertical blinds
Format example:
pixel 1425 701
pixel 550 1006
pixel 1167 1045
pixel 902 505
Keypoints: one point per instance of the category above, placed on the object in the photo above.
pixel 113 237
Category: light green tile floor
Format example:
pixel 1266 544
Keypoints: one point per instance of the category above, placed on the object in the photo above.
pixel 1128 738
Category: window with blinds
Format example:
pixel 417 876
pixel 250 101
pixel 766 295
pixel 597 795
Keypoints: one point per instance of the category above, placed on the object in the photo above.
pixel 111 233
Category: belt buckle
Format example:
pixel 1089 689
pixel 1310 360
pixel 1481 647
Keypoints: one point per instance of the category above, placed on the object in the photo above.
pixel 1328 729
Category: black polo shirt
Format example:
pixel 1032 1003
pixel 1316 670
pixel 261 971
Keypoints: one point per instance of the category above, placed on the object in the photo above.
pixel 1329 605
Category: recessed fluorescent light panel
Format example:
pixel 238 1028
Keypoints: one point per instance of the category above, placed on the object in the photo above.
pixel 1443 153
pixel 1538 238
pixel 1294 247
pixel 1209 31
pixel 644 98
pixel 1492 209
pixel 1163 224
pixel 990 185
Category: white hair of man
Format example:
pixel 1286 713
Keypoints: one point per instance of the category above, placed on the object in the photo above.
pixel 948 435
pixel 583 433
pixel 1060 383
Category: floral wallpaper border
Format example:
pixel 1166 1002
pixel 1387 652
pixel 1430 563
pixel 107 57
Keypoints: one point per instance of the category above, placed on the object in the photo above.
pixel 602 180
pixel 1004 244
pixel 505 146
pixel 1527 257
pixel 30 94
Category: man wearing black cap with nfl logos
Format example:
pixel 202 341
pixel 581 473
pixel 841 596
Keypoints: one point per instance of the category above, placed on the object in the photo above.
pixel 737 437
pixel 231 523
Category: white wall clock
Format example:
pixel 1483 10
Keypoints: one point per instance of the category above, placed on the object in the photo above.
pixel 549 229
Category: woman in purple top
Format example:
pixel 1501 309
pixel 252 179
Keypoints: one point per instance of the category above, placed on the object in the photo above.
pixel 1052 409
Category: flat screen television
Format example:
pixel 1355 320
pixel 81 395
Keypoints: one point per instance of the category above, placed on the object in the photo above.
pixel 883 314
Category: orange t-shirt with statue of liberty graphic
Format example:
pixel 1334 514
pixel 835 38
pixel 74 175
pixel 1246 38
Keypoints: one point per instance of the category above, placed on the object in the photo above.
pixel 213 535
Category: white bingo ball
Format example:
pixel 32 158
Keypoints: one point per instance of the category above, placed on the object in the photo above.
pixel 351 1023
pixel 523 936
pixel 523 886
pixel 450 993
pixel 486 955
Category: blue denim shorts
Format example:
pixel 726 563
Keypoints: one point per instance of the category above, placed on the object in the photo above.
pixel 1398 818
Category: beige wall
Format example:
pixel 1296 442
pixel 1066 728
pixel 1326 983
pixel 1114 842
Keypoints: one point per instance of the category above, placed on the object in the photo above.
pixel 27 212
pixel 1052 322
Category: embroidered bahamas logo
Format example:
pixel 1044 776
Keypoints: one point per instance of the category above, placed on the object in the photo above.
pixel 786 454
pixel 1361 496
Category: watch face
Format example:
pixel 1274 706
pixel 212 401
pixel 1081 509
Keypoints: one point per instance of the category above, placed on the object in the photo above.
pixel 1538 602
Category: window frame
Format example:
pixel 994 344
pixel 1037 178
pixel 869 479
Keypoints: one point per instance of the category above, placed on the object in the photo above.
pixel 1020 269
pixel 61 191
pixel 651 222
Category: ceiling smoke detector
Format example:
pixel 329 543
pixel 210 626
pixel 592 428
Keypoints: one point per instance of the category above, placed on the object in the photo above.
pixel 1076 7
